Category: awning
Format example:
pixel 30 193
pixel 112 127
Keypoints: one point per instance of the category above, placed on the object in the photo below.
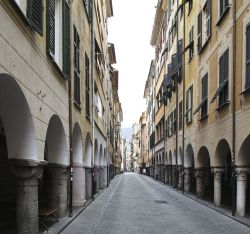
pixel 200 106
pixel 222 85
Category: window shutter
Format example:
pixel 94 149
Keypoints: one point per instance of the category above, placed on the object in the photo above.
pixel 66 39
pixel 50 29
pixel 199 45
pixel 90 9
pixel 221 69
pixel 191 106
pixel 35 15
pixel 221 7
pixel 187 104
pixel 209 7
pixel 226 65
pixel 247 81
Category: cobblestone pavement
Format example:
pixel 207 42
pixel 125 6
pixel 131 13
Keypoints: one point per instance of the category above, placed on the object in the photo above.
pixel 137 204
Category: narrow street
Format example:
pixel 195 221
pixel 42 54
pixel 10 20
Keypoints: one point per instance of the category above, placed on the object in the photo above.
pixel 137 204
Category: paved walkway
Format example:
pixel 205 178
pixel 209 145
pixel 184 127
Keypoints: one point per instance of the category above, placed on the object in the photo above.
pixel 137 204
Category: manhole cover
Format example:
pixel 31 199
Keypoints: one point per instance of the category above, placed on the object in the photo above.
pixel 161 202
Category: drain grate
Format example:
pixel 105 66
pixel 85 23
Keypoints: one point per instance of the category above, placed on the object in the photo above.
pixel 161 202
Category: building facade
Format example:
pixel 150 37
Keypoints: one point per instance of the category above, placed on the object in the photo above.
pixel 56 108
pixel 201 89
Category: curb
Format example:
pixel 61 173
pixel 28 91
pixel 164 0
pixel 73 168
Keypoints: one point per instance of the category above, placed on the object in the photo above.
pixel 202 202
pixel 85 206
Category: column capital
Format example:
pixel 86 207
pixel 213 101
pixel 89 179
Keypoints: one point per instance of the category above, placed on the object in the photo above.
pixel 217 169
pixel 241 173
pixel 27 169
pixel 200 172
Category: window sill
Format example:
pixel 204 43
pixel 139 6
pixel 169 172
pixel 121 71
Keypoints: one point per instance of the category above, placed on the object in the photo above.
pixel 204 45
pixel 77 105
pixel 246 91
pixel 222 16
pixel 203 117
pixel 58 69
pixel 88 117
pixel 189 122
pixel 223 105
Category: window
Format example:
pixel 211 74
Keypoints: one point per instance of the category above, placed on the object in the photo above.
pixel 204 93
pixel 224 4
pixel 87 86
pixel 222 91
pixel 88 5
pixel 174 121
pixel 247 79
pixel 189 104
pixel 223 78
pixel 190 6
pixel 58 34
pixel 180 115
pixel 33 12
pixel 76 67
pixel 199 34
pixel 191 43
pixel 207 11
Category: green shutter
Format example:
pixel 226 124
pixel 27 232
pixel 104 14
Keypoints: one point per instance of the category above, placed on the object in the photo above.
pixel 66 39
pixel 90 9
pixel 35 15
pixel 50 28
pixel 199 45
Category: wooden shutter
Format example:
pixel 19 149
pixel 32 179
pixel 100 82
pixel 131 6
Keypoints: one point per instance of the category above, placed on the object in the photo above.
pixel 66 39
pixel 35 15
pixel 50 29
pixel 199 39
pixel 221 7
pixel 247 81
pixel 209 7
pixel 204 86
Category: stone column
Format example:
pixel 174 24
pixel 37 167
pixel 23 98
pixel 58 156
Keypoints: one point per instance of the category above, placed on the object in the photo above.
pixel 241 192
pixel 187 179
pixel 59 178
pixel 170 182
pixel 78 185
pixel 100 178
pixel 166 174
pixel 105 174
pixel 88 183
pixel 180 181
pixel 217 185
pixel 200 183
pixel 97 178
pixel 27 173
pixel 173 176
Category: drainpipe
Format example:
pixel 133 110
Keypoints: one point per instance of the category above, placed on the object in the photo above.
pixel 70 151
pixel 92 92
pixel 183 95
pixel 233 111
pixel 177 100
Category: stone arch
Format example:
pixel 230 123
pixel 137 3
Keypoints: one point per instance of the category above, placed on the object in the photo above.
pixel 78 170
pixel 88 151
pixel 170 158
pixel 204 177
pixel 17 120
pixel 77 144
pixel 203 158
pixel 96 153
pixel 54 183
pixel 243 158
pixel 222 154
pixel 189 157
pixel 223 174
pixel 174 157
pixel 101 156
pixel 179 159
pixel 55 147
